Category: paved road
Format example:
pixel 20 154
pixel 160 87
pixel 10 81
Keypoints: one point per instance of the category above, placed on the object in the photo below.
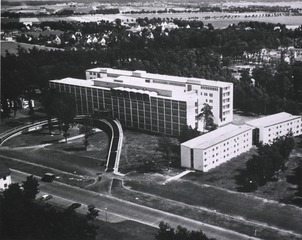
pixel 130 211
pixel 111 126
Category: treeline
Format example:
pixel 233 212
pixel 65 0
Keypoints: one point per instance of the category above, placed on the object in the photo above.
pixel 166 232
pixel 105 11
pixel 275 88
pixel 202 53
pixel 269 162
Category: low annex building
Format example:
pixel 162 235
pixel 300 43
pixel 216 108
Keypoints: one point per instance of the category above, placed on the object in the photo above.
pixel 150 102
pixel 270 127
pixel 5 178
pixel 214 148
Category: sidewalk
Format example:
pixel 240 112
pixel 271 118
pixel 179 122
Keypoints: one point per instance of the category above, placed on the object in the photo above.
pixel 178 176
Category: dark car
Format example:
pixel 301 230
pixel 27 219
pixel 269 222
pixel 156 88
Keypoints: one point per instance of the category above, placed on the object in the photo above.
pixel 48 177
pixel 74 206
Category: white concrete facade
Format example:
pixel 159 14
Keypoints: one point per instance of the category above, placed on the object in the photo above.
pixel 168 103
pixel 214 148
pixel 219 95
pixel 276 125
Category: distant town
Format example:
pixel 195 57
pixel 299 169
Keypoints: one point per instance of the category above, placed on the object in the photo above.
pixel 151 120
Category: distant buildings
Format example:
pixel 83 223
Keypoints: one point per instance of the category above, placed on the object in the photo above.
pixel 150 102
pixel 5 178
pixel 270 127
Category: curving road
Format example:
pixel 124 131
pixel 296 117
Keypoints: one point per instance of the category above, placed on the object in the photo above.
pixel 111 126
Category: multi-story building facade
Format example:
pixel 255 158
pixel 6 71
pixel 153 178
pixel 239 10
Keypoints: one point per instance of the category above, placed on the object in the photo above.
pixel 214 148
pixel 151 102
pixel 270 127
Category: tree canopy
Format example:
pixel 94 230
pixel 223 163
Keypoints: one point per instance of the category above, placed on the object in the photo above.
pixel 166 232
pixel 23 217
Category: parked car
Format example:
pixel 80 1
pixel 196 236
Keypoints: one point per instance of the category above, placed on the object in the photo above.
pixel 74 206
pixel 48 177
pixel 46 197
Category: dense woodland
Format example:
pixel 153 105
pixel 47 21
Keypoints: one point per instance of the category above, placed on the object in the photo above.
pixel 194 52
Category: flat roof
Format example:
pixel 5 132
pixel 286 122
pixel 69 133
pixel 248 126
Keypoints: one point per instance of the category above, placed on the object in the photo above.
pixel 136 91
pixel 110 70
pixel 155 76
pixel 164 77
pixel 136 81
pixel 272 119
pixel 212 83
pixel 187 96
pixel 75 81
pixel 214 137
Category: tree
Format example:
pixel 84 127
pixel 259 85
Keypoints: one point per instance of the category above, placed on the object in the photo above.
pixel 49 103
pixel 268 163
pixel 187 133
pixel 65 111
pixel 25 219
pixel 87 130
pixel 92 213
pixel 208 117
pixel 30 188
pixel 165 146
pixel 166 232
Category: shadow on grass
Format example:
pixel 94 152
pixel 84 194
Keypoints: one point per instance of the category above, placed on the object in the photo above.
pixel 243 185
pixel 75 149
pixel 49 141
pixel 296 180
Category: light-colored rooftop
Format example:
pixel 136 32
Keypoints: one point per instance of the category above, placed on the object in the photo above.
pixel 214 137
pixel 186 96
pixel 75 81
pixel 272 119
pixel 211 82
pixel 111 70
pixel 150 93
pixel 154 76
pixel 135 81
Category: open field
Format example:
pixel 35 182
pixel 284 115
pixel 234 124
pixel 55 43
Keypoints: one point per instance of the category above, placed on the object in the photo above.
pixel 12 47
pixel 222 203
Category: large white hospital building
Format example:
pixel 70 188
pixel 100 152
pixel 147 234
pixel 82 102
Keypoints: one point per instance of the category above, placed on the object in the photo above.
pixel 150 102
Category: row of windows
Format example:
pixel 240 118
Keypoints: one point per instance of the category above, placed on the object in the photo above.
pixel 226 112
pixel 242 138
pixel 226 100
pixel 226 94
pixel 283 125
pixel 206 94
pixel 209 88
pixel 228 154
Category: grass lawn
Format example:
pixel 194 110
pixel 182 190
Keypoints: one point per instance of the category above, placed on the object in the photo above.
pixel 234 204
pixel 126 230
pixel 40 171
pixel 141 148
